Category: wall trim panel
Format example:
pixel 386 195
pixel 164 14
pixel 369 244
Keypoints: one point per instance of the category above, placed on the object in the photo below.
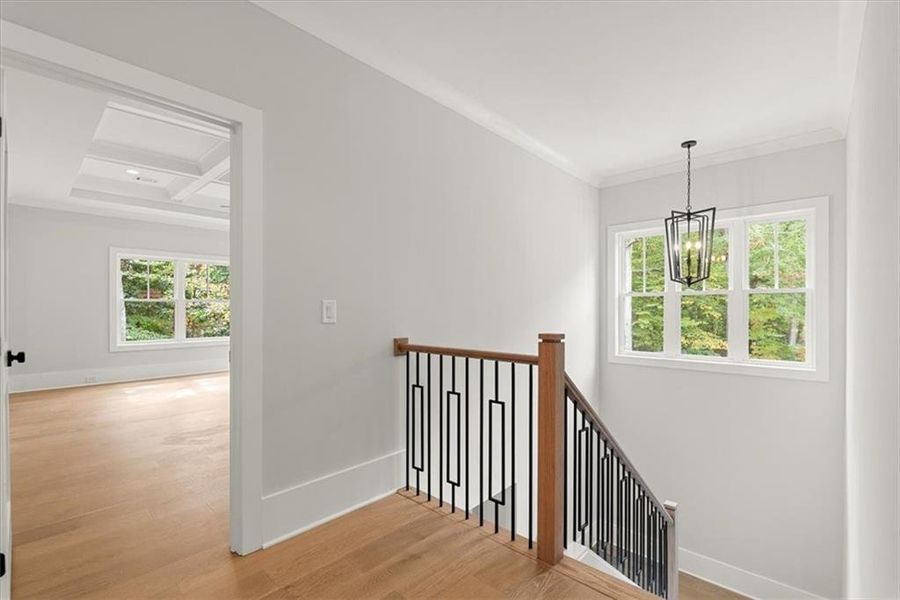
pixel 297 509
pixel 30 382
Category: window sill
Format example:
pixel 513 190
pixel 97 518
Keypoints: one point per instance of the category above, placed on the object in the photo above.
pixel 722 365
pixel 168 345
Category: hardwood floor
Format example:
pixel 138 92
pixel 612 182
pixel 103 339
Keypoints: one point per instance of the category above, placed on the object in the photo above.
pixel 120 491
pixel 694 588
pixel 113 482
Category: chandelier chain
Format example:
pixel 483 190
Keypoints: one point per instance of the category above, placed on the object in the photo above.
pixel 689 179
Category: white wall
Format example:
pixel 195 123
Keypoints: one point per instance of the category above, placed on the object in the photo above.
pixel 873 330
pixel 755 463
pixel 59 297
pixel 417 221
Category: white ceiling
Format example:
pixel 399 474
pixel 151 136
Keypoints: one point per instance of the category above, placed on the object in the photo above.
pixel 608 90
pixel 78 149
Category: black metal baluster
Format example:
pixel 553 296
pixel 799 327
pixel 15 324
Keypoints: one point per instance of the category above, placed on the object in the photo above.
pixel 407 422
pixel 634 528
pixel 626 506
pixel 421 416
pixel 575 486
pixel 660 562
pixel 648 564
pixel 630 521
pixel 648 532
pixel 657 540
pixel 467 439
pixel 648 528
pixel 449 478
pixel 650 521
pixel 590 482
pixel 576 476
pixel 610 495
pixel 502 448
pixel 639 519
pixel 619 513
pixel 638 539
pixel 634 525
pixel 665 556
pixel 654 524
pixel 565 470
pixel 595 529
pixel 585 485
pixel 512 450
pixel 530 454
pixel 603 493
pixel 458 437
pixel 440 430
pixel 481 445
pixel 430 398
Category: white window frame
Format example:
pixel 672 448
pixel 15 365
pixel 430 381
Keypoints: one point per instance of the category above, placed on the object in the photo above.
pixel 814 211
pixel 116 344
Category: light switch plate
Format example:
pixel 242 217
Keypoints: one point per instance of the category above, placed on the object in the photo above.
pixel 329 311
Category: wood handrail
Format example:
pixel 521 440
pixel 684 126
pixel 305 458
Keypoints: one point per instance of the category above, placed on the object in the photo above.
pixel 555 388
pixel 402 346
pixel 585 407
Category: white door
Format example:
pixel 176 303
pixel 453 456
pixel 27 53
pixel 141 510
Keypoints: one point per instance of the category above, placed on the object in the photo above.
pixel 5 521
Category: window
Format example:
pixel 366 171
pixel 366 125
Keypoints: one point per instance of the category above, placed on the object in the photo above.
pixel 763 309
pixel 160 300
pixel 644 286
pixel 704 310
pixel 206 290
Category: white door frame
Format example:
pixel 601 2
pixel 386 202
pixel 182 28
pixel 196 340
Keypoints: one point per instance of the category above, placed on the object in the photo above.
pixel 22 48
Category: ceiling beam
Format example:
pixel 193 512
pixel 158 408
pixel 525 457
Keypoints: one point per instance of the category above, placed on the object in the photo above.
pixel 137 109
pixel 134 157
pixel 127 189
pixel 216 163
pixel 143 205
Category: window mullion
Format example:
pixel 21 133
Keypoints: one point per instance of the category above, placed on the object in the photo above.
pixel 644 263
pixel 775 254
pixel 738 296
pixel 180 311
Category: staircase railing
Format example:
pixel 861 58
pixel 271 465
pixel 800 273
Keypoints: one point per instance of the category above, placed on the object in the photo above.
pixel 614 513
pixel 474 433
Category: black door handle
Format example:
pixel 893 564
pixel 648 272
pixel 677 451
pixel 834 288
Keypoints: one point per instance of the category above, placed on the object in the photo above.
pixel 11 358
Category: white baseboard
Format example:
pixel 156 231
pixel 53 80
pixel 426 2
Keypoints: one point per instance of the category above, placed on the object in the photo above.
pixel 739 580
pixel 29 382
pixel 297 509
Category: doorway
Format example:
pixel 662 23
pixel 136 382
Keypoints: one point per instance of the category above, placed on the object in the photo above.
pixel 39 55
pixel 119 287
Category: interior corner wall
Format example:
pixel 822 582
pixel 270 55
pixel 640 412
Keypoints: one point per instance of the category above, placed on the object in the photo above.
pixel 873 313
pixel 59 298
pixel 755 463
pixel 418 222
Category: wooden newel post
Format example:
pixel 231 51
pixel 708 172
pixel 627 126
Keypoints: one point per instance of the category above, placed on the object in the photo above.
pixel 551 452
pixel 672 551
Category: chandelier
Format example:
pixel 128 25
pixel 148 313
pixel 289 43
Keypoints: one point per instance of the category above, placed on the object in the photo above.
pixel 689 237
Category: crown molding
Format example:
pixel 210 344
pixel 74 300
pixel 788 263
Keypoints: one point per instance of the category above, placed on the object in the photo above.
pixel 812 138
pixel 96 205
pixel 442 93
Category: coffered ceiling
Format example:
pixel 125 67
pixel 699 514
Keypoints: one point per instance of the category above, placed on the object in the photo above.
pixel 77 149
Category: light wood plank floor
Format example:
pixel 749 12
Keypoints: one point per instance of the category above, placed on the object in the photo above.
pixel 120 491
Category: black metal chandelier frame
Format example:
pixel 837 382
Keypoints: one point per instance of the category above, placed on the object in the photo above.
pixel 689 236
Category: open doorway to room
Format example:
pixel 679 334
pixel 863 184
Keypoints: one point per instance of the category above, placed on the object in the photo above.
pixel 120 298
